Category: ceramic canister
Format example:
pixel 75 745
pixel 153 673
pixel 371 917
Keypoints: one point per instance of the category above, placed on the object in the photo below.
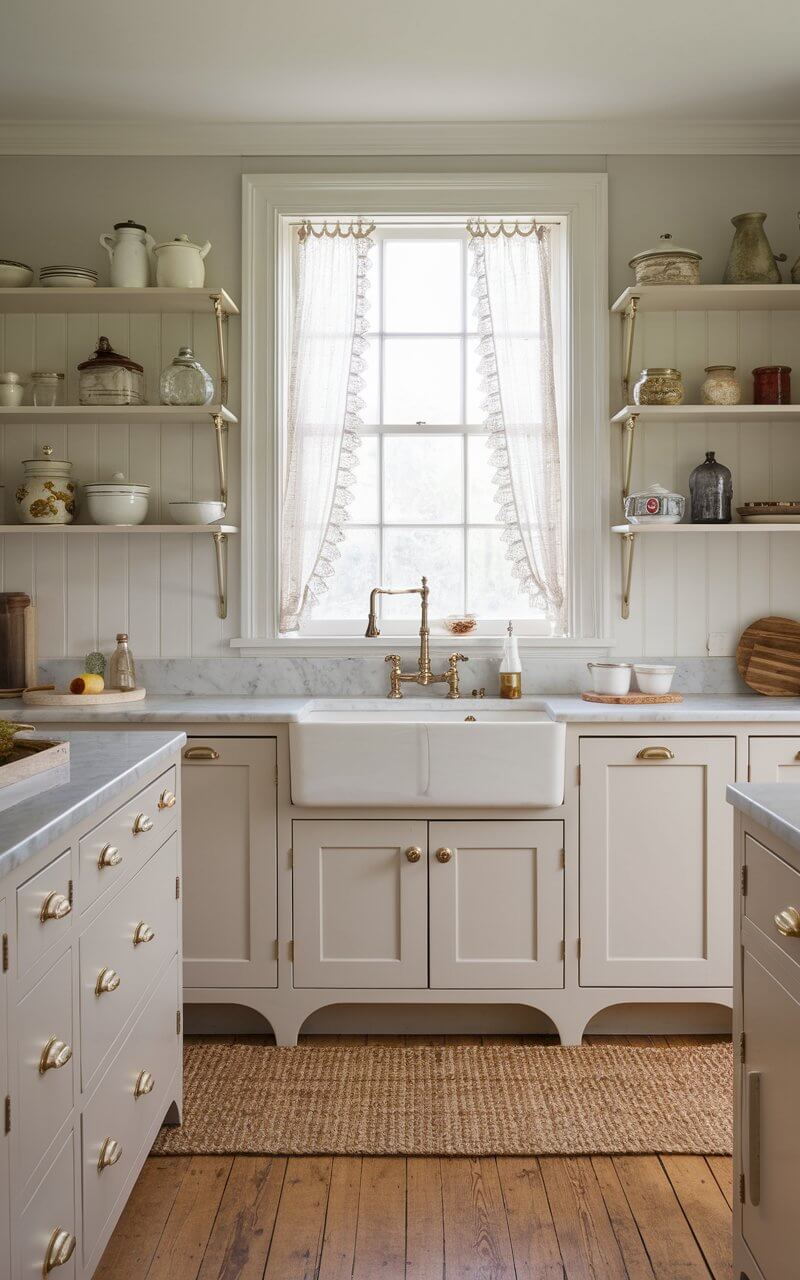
pixel 47 493
pixel 180 264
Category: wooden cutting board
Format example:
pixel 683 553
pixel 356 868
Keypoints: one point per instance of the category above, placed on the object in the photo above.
pixel 632 699
pixel 768 657
pixel 108 698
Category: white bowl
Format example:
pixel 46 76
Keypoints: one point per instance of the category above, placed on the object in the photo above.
pixel 14 275
pixel 197 512
pixel 117 508
pixel 653 679
pixel 610 677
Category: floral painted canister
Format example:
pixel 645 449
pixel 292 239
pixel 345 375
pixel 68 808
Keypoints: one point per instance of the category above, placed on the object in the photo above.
pixel 721 385
pixel 658 386
pixel 47 493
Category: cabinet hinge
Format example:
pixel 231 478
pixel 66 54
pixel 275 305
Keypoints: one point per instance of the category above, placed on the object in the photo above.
pixel 563 949
pixel 8 1113
pixel 743 880
pixel 5 953
pixel 291 950
pixel 742 1046
pixel 71 893
pixel 177 886
pixel 291 858
pixel 178 1022
pixel 741 1188
pixel 275 775
pixel 578 775
pixel 562 859
pixel 579 948
pixel 277 950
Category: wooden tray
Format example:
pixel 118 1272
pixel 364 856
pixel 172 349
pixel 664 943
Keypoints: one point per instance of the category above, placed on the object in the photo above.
pixel 30 756
pixel 632 699
pixel 108 698
pixel 769 673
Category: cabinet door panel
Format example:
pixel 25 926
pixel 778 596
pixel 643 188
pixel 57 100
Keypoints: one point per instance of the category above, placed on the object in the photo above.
pixel 497 904
pixel 360 904
pixel 5 1191
pixel 230 919
pixel 655 851
pixel 775 759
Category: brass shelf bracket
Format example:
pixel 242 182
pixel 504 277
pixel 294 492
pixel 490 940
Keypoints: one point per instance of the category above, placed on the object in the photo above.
pixel 628 436
pixel 221 318
pixel 221 556
pixel 220 434
pixel 628 545
pixel 628 331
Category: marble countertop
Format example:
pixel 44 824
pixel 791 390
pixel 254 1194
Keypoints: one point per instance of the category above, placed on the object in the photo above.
pixel 219 708
pixel 775 805
pixel 102 765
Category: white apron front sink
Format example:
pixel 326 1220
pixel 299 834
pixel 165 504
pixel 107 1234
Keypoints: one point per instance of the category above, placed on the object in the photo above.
pixel 432 754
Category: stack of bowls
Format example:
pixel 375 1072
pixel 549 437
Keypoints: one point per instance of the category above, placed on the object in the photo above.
pixel 14 275
pixel 117 501
pixel 64 277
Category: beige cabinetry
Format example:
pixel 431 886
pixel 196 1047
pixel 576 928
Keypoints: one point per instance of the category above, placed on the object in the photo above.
pixel 496 904
pixel 230 863
pixel 655 865
pixel 774 759
pixel 5 1242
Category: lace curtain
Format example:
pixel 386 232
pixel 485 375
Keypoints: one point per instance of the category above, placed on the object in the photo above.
pixel 322 428
pixel 512 269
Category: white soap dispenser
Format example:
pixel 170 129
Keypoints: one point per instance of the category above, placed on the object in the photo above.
pixel 510 667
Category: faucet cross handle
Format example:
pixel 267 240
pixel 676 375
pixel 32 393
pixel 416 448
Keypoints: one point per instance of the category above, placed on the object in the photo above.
pixel 452 674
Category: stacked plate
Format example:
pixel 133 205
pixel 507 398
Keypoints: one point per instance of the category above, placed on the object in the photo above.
pixel 61 277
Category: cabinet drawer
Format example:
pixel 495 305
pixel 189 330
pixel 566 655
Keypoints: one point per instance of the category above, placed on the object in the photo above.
pixel 774 759
pixel 115 1113
pixel 45 1063
pixel 109 945
pixel 44 911
pixel 51 1210
pixel 126 839
pixel 773 887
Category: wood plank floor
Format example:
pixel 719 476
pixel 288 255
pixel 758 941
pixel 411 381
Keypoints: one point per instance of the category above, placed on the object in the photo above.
pixel 424 1218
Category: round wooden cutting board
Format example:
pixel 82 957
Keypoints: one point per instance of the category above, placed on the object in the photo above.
pixel 768 657
pixel 109 697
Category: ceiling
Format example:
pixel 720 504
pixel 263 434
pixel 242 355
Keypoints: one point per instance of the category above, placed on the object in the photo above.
pixel 194 61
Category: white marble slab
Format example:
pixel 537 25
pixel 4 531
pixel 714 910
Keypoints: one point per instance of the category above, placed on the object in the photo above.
pixel 775 805
pixel 102 766
pixel 695 708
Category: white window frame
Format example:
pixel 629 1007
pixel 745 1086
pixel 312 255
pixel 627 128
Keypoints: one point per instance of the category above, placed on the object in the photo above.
pixel 269 202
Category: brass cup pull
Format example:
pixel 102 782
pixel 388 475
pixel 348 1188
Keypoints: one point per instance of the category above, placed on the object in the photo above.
pixel 110 1153
pixel 55 1054
pixel 143 933
pixel 59 1250
pixel 444 855
pixel 167 800
pixel 414 853
pixel 787 922
pixel 144 1084
pixel 110 856
pixel 655 753
pixel 107 980
pixel 55 907
pixel 142 824
pixel 200 753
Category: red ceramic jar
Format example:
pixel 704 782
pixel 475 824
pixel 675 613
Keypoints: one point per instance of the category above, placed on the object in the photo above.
pixel 772 384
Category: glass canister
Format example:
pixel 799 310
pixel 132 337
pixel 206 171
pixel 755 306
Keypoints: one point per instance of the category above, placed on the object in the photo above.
pixel 772 384
pixel 109 378
pixel 721 385
pixel 47 494
pixel 185 381
pixel 45 388
pixel 12 639
pixel 711 492
pixel 658 386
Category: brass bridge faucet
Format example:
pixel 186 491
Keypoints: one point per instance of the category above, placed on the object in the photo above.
pixel 423 675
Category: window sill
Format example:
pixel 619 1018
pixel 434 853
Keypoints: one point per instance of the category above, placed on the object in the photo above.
pixel 541 647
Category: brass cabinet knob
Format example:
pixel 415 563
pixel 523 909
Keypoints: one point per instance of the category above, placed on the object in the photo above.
pixel 55 907
pixel 144 1084
pixel 110 856
pixel 110 1153
pixel 107 980
pixel 167 800
pixel 143 933
pixel 200 753
pixel 787 922
pixel 142 824
pixel 59 1250
pixel 444 855
pixel 414 853
pixel 655 753
pixel 55 1054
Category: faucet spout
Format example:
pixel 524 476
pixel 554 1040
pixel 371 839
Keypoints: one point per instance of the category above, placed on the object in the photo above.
pixel 423 675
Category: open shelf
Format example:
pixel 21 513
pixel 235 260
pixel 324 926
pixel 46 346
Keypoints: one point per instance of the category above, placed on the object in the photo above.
pixel 737 526
pixel 710 297
pixel 107 300
pixel 711 412
pixel 62 414
pixel 71 529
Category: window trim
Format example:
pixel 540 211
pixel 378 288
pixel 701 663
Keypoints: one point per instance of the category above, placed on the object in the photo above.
pixel 268 201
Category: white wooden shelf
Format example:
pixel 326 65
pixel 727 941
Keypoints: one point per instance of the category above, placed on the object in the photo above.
pixel 710 297
pixel 107 300
pixel 132 413
pixel 736 526
pixel 71 529
pixel 711 412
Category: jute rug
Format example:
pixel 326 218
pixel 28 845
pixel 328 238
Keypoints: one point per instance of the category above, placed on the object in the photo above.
pixel 254 1099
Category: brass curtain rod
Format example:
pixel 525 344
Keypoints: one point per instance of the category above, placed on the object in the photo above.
pixel 399 222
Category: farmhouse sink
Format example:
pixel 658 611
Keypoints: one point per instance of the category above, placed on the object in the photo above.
pixel 483 754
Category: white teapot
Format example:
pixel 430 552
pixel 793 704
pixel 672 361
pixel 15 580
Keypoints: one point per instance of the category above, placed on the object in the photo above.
pixel 179 263
pixel 129 249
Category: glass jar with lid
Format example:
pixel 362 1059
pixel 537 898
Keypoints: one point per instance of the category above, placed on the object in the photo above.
pixel 109 378
pixel 658 386
pixel 185 381
pixel 45 388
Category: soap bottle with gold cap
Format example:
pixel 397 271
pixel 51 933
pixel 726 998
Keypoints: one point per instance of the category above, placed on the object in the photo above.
pixel 510 667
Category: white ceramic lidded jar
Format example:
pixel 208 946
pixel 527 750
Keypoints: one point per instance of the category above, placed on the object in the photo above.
pixel 129 249
pixel 180 263
pixel 117 501
pixel 12 389
pixel 109 378
pixel 185 381
pixel 47 494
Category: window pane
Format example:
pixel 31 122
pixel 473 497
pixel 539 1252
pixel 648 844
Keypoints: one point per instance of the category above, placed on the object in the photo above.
pixel 481 505
pixel 364 508
pixel 493 590
pixel 422 380
pixel 423 479
pixel 475 412
pixel 355 576
pixel 423 283
pixel 436 553
pixel 370 392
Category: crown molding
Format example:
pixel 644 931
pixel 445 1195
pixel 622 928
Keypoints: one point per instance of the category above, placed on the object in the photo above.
pixel 516 137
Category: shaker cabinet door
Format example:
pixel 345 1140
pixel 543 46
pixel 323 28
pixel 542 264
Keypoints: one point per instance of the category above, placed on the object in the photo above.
pixel 360 903
pixel 230 917
pixel 774 759
pixel 5 1191
pixel 497 904
pixel 655 862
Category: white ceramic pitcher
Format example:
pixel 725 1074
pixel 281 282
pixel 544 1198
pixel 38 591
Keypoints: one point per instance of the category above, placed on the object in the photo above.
pixel 129 248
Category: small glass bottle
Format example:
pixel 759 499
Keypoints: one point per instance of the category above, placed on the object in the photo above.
pixel 510 667
pixel 121 668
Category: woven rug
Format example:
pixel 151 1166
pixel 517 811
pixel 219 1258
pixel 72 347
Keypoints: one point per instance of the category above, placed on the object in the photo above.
pixel 245 1098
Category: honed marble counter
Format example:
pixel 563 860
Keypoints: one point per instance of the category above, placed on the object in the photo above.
pixel 774 805
pixel 102 765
